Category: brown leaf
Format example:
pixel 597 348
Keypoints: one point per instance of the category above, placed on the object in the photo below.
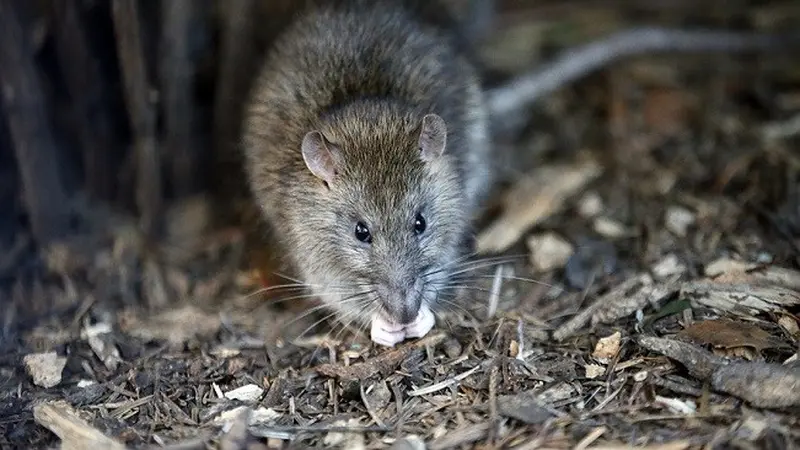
pixel 729 334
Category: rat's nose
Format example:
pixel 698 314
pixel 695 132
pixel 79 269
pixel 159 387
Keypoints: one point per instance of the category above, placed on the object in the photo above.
pixel 401 302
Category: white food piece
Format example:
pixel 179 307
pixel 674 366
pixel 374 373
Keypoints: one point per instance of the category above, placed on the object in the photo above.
pixel 389 334
pixel 386 333
pixel 422 324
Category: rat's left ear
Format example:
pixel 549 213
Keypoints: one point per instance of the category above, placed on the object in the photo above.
pixel 433 137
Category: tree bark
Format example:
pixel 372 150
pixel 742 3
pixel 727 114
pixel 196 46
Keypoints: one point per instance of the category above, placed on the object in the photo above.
pixel 138 97
pixel 88 93
pixel 32 136
pixel 177 85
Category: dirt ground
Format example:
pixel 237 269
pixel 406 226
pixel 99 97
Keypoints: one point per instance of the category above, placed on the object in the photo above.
pixel 638 284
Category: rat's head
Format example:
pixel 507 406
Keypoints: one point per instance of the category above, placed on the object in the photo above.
pixel 388 212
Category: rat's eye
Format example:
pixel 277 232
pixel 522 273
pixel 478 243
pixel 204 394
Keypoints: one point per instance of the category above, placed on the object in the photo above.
pixel 419 224
pixel 362 233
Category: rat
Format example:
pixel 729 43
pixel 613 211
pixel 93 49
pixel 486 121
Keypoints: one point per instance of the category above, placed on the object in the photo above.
pixel 367 148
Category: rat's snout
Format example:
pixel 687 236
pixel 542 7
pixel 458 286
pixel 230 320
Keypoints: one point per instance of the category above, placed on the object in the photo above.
pixel 402 301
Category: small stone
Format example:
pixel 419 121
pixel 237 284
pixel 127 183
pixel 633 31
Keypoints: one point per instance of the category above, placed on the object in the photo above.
pixel 610 228
pixel 590 205
pixel 764 258
pixel 45 368
pixel 548 251
pixel 668 266
pixel 679 219
pixel 452 348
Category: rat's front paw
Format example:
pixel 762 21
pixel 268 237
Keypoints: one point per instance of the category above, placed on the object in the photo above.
pixel 422 324
pixel 386 333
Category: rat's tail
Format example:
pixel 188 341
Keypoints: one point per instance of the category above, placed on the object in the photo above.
pixel 509 99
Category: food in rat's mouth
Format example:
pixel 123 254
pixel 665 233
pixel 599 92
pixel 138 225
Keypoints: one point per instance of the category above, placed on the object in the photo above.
pixel 389 333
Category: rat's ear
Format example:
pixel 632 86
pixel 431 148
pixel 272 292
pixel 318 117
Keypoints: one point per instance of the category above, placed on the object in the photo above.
pixel 318 155
pixel 433 137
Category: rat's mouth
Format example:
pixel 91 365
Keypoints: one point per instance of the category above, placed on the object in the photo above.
pixel 390 333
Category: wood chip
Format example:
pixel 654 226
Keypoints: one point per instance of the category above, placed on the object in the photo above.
pixel 607 348
pixel 761 384
pixel 740 299
pixel 630 296
pixel 538 196
pixel 594 371
pixel 45 368
pixel 444 384
pixel 74 432
pixel 700 363
pixel 461 436
pixel 248 393
pixel 175 326
pixel 753 273
pixel 526 407
pixel 384 363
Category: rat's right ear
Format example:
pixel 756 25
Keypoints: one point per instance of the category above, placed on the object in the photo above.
pixel 318 156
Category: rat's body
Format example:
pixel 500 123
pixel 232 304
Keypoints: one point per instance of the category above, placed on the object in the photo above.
pixel 367 150
pixel 367 116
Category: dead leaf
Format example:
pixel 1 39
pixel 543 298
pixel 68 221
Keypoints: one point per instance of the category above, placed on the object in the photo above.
pixel 729 334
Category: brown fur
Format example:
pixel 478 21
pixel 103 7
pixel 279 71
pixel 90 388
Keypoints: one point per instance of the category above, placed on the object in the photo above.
pixel 364 73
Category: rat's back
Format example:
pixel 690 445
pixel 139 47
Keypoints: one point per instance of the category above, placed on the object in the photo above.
pixel 341 51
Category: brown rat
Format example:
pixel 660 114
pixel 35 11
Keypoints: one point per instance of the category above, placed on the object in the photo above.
pixel 367 149
pixel 366 141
